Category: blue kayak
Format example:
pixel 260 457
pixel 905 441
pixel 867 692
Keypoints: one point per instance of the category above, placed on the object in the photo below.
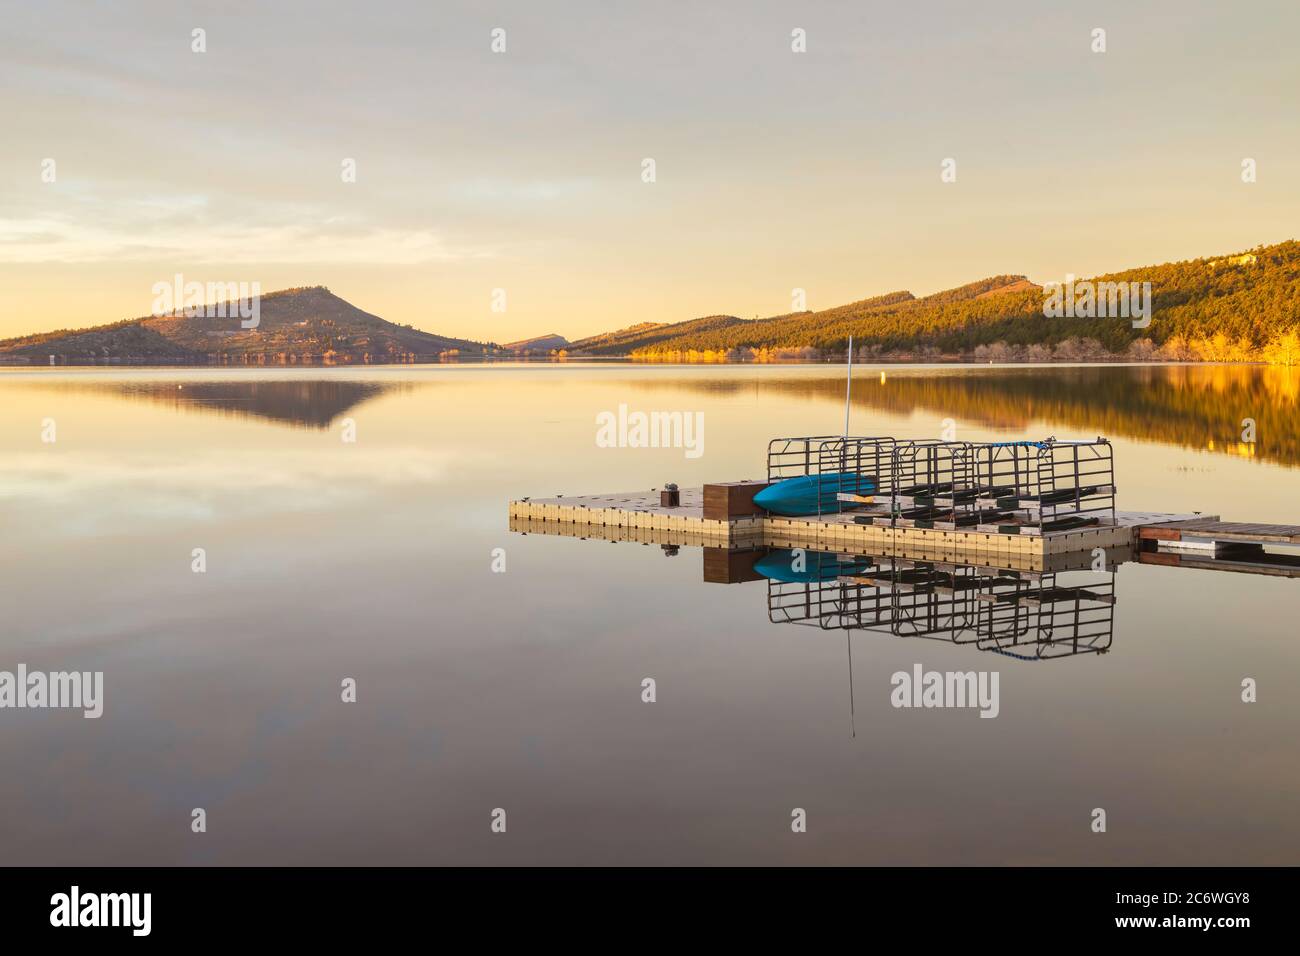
pixel 813 494
pixel 783 565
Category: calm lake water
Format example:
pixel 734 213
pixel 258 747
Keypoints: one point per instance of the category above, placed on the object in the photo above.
pixel 521 690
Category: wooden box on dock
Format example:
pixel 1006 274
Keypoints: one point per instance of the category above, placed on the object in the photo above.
pixel 730 499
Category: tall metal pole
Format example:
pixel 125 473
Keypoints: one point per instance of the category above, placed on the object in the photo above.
pixel 848 389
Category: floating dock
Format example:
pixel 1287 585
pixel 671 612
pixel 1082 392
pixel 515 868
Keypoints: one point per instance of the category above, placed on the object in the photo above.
pixel 641 516
pixel 1021 505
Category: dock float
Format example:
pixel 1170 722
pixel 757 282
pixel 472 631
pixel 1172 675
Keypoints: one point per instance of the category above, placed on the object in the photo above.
pixel 640 516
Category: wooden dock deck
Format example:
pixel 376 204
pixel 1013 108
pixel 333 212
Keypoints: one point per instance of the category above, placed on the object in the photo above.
pixel 1211 529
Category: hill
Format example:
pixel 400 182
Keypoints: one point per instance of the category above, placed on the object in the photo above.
pixel 645 334
pixel 539 344
pixel 295 325
pixel 894 319
pixel 1243 306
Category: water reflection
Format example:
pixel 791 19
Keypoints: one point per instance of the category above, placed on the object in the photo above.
pixel 1193 406
pixel 1063 609
pixel 1020 614
pixel 372 560
pixel 307 403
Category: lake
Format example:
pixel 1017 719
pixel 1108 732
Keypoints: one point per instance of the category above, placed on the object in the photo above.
pixel 373 560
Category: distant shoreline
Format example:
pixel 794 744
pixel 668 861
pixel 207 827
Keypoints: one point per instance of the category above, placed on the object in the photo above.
pixel 829 362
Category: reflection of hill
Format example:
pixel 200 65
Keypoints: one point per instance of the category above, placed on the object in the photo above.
pixel 1192 406
pixel 308 404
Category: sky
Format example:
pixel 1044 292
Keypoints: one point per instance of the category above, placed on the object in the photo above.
pixel 523 170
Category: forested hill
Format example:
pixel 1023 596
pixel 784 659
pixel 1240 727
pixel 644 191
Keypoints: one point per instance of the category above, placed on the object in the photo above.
pixel 713 328
pixel 1230 307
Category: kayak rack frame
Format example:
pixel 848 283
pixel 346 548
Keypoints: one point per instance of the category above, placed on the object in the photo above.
pixel 1038 485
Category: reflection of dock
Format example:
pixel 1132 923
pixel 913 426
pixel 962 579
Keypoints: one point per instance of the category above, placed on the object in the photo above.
pixel 1027 615
pixel 1029 607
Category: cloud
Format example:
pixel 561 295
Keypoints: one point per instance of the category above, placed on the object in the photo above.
pixel 150 231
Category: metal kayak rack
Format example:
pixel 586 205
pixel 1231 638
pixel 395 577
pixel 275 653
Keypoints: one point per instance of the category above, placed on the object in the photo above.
pixel 1016 487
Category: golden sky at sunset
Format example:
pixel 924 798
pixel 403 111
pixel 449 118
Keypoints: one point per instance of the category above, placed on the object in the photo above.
pixel 521 170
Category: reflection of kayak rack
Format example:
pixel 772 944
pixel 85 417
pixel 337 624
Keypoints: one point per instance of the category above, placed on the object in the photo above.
pixel 1019 487
pixel 1022 614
